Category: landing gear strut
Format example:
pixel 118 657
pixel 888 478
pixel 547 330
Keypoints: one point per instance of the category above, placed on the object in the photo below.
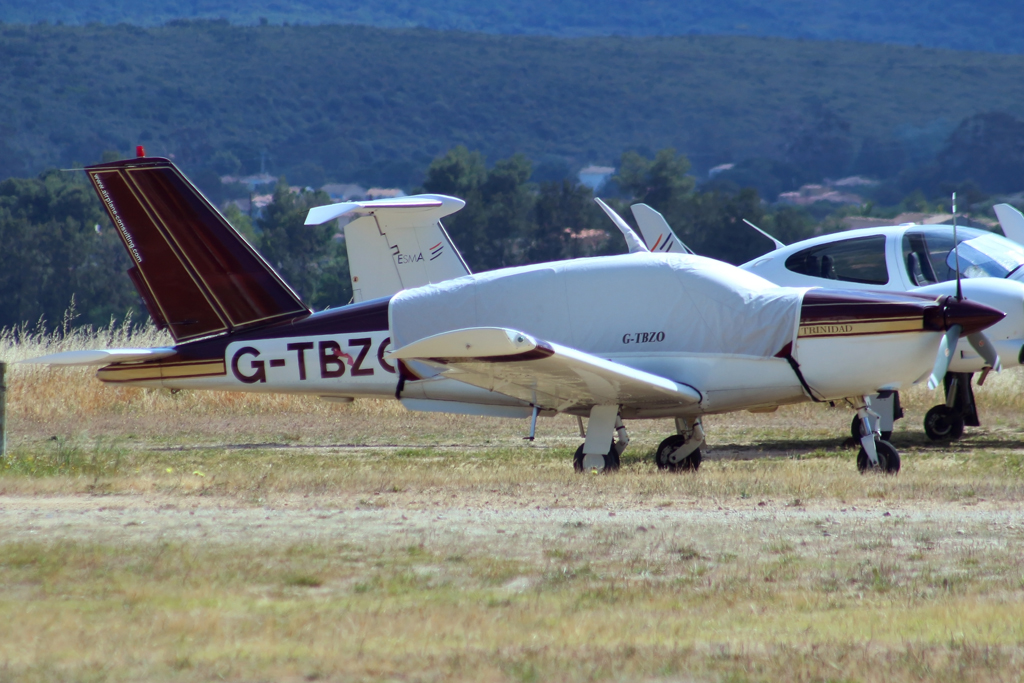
pixel 604 427
pixel 875 452
pixel 888 408
pixel 681 451
pixel 946 422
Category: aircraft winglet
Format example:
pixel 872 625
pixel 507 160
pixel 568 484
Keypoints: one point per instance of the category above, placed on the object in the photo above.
pixel 635 243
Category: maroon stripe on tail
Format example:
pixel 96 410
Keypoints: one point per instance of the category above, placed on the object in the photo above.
pixel 180 301
pixel 147 298
pixel 202 276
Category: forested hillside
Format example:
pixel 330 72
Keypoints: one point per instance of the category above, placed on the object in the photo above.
pixel 376 106
pixel 987 25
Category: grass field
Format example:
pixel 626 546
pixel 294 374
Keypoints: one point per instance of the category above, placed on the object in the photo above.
pixel 146 535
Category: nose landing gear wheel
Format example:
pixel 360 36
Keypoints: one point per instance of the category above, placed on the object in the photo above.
pixel 667 449
pixel 857 429
pixel 943 423
pixel 611 459
pixel 888 458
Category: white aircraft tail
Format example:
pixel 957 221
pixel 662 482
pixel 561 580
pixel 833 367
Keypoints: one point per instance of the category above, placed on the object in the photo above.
pixel 633 241
pixel 396 244
pixel 1012 222
pixel 656 231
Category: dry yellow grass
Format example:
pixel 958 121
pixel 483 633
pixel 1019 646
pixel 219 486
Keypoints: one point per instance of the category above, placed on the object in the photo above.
pixel 65 416
pixel 53 401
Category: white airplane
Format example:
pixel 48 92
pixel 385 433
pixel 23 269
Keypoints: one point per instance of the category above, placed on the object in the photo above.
pixel 909 258
pixel 583 337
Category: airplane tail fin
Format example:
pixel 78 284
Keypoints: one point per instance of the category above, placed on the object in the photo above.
pixel 396 244
pixel 195 273
pixel 1011 221
pixel 633 241
pixel 656 231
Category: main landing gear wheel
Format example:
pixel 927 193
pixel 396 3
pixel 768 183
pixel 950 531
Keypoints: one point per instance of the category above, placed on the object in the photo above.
pixel 888 458
pixel 666 460
pixel 857 429
pixel 611 459
pixel 943 423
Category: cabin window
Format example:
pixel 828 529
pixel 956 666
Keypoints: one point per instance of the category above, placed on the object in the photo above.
pixel 860 260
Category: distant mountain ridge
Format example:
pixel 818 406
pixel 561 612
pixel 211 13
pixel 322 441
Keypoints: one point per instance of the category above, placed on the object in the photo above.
pixel 362 104
pixel 980 25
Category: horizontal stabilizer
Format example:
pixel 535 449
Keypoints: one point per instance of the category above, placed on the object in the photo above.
pixel 547 375
pixel 100 356
pixel 427 207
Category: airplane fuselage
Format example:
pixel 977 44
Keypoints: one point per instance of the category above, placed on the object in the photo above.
pixel 844 344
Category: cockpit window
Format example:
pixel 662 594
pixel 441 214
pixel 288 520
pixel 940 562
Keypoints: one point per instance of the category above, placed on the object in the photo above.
pixel 861 260
pixel 929 257
pixel 925 256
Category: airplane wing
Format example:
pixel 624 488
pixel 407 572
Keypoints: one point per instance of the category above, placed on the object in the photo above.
pixel 396 244
pixel 656 231
pixel 547 375
pixel 1011 221
pixel 100 356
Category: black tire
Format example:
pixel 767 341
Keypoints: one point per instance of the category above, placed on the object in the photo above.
pixel 857 430
pixel 888 458
pixel 611 459
pixel 690 463
pixel 942 423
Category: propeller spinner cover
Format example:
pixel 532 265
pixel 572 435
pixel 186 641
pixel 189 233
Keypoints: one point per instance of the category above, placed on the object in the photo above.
pixel 971 316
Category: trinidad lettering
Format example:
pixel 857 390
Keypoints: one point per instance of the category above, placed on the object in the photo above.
pixel 821 330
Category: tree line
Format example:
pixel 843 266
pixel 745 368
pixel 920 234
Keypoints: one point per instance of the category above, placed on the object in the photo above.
pixel 59 246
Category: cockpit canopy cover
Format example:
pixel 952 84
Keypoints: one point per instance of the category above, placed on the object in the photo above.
pixel 638 302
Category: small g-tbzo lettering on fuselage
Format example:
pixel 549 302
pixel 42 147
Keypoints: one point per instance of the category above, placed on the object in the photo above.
pixel 311 359
pixel 643 337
